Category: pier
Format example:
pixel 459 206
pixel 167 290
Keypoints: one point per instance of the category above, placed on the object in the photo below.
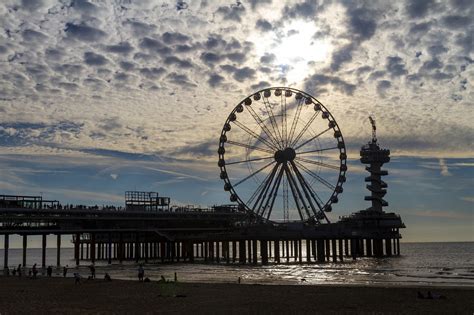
pixel 147 229
pixel 216 235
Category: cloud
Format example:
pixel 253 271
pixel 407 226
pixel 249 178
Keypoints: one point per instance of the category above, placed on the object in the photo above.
pixel 418 8
pixel 442 214
pixel 314 82
pixel 263 25
pixel 153 45
pixel 383 86
pixel 468 199
pixel 174 38
pixel 215 80
pixel 362 23
pixel 456 21
pixel 121 48
pixel 183 64
pixel 93 59
pixel 83 32
pixel 243 74
pixel 396 66
pixel 233 12
pixel 341 56
pixel 307 9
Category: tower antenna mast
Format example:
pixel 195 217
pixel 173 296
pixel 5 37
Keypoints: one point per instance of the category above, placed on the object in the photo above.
pixel 374 129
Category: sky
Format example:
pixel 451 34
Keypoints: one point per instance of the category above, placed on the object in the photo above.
pixel 100 97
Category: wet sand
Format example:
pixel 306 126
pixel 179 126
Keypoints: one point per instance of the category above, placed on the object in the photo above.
pixel 59 295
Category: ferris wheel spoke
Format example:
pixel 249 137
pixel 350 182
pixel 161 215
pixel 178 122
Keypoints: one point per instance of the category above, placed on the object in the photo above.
pixel 273 194
pixel 248 146
pixel 273 122
pixel 318 150
pixel 256 136
pixel 263 193
pixel 254 173
pixel 316 176
pixel 250 160
pixel 285 200
pixel 260 122
pixel 302 191
pixel 312 138
pixel 284 127
pixel 294 123
pixel 317 199
pixel 294 191
pixel 334 167
pixel 259 188
pixel 307 189
pixel 305 128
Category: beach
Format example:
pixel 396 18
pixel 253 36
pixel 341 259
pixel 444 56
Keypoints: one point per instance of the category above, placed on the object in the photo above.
pixel 62 295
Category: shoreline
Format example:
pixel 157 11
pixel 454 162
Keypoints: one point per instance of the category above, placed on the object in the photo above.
pixel 61 295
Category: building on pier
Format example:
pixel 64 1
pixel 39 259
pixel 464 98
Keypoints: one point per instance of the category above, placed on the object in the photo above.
pixel 373 220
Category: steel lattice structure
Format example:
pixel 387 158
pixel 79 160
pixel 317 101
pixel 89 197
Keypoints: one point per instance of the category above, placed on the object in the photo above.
pixel 278 160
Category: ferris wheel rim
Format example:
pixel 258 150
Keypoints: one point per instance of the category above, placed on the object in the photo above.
pixel 229 186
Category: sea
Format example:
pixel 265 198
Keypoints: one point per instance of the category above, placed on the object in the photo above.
pixel 420 264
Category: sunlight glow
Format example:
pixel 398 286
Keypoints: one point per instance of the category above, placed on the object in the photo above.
pixel 295 47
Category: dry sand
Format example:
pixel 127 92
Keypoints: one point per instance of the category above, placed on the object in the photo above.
pixel 58 295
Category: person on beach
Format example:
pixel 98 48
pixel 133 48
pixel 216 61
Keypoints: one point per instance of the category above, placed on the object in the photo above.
pixel 49 271
pixel 65 271
pixel 77 278
pixel 92 269
pixel 141 273
pixel 35 271
pixel 107 277
pixel 19 270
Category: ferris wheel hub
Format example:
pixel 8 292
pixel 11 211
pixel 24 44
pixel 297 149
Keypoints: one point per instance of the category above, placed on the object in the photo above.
pixel 286 155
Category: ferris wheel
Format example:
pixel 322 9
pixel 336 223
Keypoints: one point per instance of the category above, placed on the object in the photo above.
pixel 282 156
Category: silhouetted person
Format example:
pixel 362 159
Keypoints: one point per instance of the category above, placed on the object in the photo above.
pixel 429 296
pixel 49 271
pixel 65 271
pixel 77 278
pixel 107 277
pixel 19 270
pixel 35 271
pixel 141 273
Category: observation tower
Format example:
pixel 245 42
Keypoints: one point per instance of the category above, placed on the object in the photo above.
pixel 375 157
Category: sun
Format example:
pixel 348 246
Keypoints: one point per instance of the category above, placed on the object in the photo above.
pixel 294 46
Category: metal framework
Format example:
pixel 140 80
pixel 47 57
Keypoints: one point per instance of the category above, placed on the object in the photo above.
pixel 278 161
pixel 28 202
pixel 145 201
